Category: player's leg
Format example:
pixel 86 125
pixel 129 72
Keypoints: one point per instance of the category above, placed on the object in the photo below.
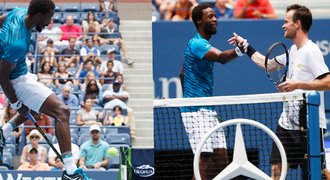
pixel 7 129
pixel 204 161
pixel 219 162
pixel 275 158
pixel 276 171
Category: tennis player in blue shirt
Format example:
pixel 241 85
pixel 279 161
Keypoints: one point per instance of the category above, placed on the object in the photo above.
pixel 200 56
pixel 22 88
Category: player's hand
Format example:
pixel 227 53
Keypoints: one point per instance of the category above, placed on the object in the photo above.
pixel 23 109
pixel 239 42
pixel 288 86
pixel 97 165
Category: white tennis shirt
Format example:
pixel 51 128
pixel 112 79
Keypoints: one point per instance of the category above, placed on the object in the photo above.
pixel 305 64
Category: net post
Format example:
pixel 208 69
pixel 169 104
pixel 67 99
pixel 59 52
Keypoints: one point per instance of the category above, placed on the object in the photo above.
pixel 314 146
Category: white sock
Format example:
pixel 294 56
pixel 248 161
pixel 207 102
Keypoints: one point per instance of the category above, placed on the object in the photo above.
pixel 7 129
pixel 69 164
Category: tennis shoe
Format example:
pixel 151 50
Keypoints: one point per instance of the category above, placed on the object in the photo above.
pixel 79 174
pixel 2 144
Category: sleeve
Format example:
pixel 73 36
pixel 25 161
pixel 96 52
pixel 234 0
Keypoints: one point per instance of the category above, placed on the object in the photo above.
pixel 316 63
pixel 238 6
pixel 83 52
pixel 83 151
pixel 200 47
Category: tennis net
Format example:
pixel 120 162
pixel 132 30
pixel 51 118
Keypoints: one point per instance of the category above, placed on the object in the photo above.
pixel 173 146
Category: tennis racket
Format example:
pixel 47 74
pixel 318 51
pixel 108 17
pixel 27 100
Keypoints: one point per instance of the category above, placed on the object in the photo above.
pixel 277 62
pixel 31 118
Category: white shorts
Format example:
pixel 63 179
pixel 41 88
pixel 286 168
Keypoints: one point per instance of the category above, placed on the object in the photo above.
pixel 31 92
pixel 199 123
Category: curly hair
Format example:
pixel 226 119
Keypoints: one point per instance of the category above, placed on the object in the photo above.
pixel 197 12
pixel 40 6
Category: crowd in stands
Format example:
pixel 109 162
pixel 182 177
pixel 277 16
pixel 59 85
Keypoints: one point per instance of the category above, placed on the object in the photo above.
pixel 177 10
pixel 80 56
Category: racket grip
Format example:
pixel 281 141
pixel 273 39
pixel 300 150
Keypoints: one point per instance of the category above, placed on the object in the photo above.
pixel 31 118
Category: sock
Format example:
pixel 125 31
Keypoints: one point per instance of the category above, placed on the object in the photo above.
pixel 8 128
pixel 69 164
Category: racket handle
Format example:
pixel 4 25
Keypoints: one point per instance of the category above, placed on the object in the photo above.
pixel 31 118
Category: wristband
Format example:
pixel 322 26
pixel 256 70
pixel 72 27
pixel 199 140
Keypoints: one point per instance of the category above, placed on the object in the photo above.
pixel 16 105
pixel 238 51
pixel 250 51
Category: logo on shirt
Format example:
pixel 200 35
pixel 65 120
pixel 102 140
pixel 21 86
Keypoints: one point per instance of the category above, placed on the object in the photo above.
pixel 299 65
pixel 208 45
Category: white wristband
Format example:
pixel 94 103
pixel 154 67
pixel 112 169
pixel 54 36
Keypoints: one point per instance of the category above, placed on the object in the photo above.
pixel 16 105
pixel 238 52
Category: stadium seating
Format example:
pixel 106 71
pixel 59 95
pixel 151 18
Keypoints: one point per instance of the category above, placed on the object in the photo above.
pixel 83 138
pixel 8 160
pixel 121 138
pixel 11 139
pixel 10 148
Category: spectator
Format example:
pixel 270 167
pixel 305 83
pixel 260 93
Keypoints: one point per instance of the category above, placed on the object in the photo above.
pixel 8 114
pixel 93 92
pixel 52 156
pixel 106 33
pixel 68 98
pixel 58 165
pixel 94 153
pixel 69 29
pixel 51 32
pixel 117 65
pixel 90 50
pixel 179 10
pixel 45 75
pixel 255 9
pixel 90 76
pixel 70 54
pixel 63 77
pixel 120 78
pixel 108 76
pixel 87 115
pixel 108 5
pixel 223 9
pixel 118 119
pixel 34 164
pixel 114 96
pixel 33 139
pixel 42 120
pixel 90 21
pixel 50 54
pixel 88 67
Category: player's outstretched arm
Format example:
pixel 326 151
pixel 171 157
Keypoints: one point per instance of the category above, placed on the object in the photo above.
pixel 246 48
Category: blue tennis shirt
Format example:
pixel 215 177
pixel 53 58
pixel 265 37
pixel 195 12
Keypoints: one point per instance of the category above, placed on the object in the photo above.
pixel 15 41
pixel 198 72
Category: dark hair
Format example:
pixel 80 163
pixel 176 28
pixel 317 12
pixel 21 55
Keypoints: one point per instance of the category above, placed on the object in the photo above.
pixel 197 12
pixel 117 107
pixel 110 61
pixel 87 61
pixel 91 92
pixel 303 14
pixel 33 150
pixel 40 6
pixel 42 70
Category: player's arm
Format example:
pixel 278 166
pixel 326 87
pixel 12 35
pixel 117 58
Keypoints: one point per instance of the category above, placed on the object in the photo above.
pixel 2 19
pixel 321 83
pixel 222 57
pixel 5 68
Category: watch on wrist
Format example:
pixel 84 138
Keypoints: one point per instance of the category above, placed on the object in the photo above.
pixel 16 105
